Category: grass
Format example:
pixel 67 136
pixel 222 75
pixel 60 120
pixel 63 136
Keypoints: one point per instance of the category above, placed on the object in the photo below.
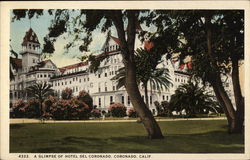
pixel 207 136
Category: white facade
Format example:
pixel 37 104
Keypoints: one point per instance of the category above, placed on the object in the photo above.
pixel 99 84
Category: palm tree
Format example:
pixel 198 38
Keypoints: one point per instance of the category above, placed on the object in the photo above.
pixel 193 99
pixel 146 73
pixel 40 91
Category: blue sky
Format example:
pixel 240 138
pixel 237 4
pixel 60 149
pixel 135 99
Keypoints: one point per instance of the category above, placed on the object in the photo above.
pixel 40 27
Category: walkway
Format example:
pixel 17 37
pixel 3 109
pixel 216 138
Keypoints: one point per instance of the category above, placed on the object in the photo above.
pixel 23 120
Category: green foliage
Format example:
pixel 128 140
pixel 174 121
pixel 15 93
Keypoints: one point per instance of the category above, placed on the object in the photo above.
pixel 32 110
pixel 18 109
pixel 96 113
pixel 86 98
pixel 67 93
pixel 117 110
pixel 146 71
pixel 39 91
pixel 29 109
pixel 193 99
pixel 163 108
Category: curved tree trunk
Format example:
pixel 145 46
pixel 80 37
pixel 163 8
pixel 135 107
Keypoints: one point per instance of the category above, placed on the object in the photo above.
pixel 146 93
pixel 221 94
pixel 127 51
pixel 239 100
pixel 141 108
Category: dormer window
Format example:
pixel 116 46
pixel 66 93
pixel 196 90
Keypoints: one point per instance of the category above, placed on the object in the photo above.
pixel 31 38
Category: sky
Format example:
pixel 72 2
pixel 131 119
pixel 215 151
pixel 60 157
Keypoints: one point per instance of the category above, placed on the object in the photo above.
pixel 40 27
pixel 59 57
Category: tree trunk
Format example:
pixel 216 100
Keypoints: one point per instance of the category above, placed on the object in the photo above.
pixel 217 83
pixel 239 100
pixel 150 124
pixel 127 51
pixel 146 93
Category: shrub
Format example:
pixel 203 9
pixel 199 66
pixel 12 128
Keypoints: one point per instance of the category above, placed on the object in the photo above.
pixel 66 93
pixel 32 110
pixel 18 109
pixel 49 102
pixel 96 113
pixel 132 113
pixel 86 98
pixel 70 109
pixel 117 110
pixel 58 111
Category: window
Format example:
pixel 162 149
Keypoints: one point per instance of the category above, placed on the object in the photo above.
pixel 167 98
pixel 76 89
pixel 111 99
pixel 65 82
pixel 41 75
pixel 150 99
pixel 45 75
pixel 62 83
pixel 113 88
pixel 163 97
pixel 99 89
pixel 73 79
pixel 58 84
pixel 106 74
pixel 122 99
pixel 80 80
pixel 128 100
pixel 69 82
pixel 34 60
pixel 99 75
pixel 99 102
pixel 106 89
pixel 88 79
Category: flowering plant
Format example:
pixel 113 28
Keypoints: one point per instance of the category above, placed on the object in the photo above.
pixel 19 108
pixel 117 110
pixel 132 113
pixel 96 113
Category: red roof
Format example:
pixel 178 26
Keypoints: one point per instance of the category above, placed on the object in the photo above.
pixel 189 65
pixel 62 69
pixel 30 36
pixel 117 40
pixel 182 66
pixel 75 65
pixel 18 62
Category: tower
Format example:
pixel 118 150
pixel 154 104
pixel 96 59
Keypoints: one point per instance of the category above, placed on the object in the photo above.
pixel 30 50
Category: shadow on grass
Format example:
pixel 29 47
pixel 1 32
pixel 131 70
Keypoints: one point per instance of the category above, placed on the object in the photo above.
pixel 210 142
pixel 16 126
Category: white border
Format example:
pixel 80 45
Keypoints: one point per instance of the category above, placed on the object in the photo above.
pixel 4 57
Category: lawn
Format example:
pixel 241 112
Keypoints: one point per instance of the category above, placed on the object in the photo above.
pixel 207 136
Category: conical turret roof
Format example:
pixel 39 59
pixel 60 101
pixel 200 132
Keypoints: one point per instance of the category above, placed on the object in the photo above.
pixel 30 36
